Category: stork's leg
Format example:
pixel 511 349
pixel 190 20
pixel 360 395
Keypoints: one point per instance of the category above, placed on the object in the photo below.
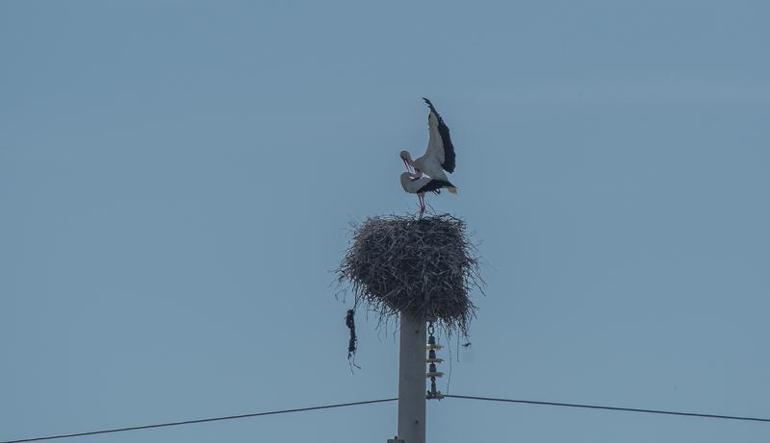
pixel 421 197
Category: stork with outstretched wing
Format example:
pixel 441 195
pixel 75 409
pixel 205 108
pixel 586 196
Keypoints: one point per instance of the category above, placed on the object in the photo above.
pixel 427 173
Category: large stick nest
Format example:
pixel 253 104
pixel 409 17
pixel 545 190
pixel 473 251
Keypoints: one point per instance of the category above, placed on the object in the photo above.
pixel 424 267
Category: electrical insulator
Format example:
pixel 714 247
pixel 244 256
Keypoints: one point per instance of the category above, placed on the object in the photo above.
pixel 432 359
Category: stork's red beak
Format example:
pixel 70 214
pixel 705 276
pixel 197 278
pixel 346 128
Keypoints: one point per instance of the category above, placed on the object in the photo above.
pixel 408 167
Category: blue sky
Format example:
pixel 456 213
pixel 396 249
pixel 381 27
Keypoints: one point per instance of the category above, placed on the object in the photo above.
pixel 177 179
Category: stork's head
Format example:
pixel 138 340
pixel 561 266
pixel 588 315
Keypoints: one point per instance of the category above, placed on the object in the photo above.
pixel 407 159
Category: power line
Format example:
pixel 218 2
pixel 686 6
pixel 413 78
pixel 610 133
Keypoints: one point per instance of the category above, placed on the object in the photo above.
pixel 610 408
pixel 340 405
pixel 200 420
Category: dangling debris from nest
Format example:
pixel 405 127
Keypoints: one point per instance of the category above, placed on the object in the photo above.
pixel 350 322
pixel 425 267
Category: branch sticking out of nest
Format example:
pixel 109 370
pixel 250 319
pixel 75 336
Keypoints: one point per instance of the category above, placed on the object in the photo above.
pixel 424 267
pixel 350 322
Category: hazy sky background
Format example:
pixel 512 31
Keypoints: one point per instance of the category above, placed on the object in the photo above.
pixel 177 179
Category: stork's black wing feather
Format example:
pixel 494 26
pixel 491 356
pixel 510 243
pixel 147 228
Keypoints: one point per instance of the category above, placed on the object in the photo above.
pixel 443 130
pixel 435 185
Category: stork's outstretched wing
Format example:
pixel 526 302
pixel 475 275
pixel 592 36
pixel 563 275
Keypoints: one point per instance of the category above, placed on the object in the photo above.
pixel 439 144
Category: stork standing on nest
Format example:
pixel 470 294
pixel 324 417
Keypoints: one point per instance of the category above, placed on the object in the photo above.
pixel 429 169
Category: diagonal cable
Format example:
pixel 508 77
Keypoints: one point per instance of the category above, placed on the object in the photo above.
pixel 611 408
pixel 200 420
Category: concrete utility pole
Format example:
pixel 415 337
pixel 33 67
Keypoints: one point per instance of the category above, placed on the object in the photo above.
pixel 411 381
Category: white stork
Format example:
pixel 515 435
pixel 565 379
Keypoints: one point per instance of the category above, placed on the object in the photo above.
pixel 438 157
pixel 421 185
